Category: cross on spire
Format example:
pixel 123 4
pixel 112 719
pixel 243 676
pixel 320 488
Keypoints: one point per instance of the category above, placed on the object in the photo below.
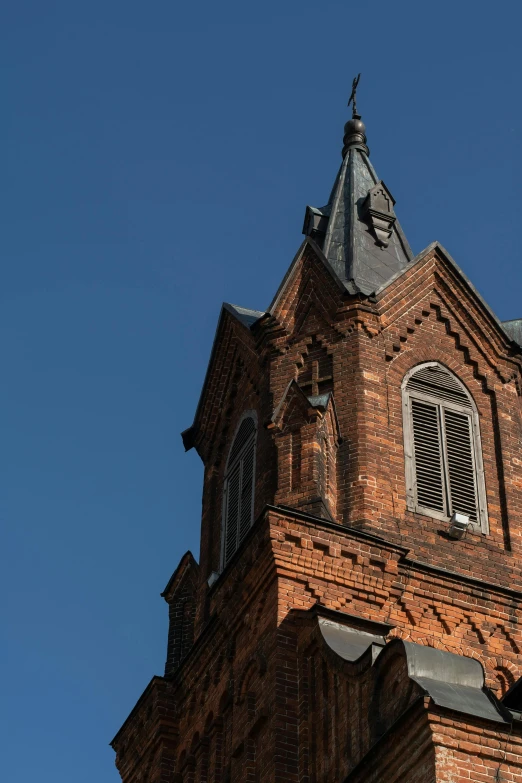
pixel 353 97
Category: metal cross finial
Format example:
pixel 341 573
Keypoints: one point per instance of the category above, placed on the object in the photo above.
pixel 353 96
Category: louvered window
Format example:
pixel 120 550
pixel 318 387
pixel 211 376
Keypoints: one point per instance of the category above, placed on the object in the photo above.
pixel 444 470
pixel 238 498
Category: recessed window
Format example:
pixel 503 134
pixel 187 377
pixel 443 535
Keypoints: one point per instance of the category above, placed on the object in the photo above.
pixel 238 490
pixel 444 471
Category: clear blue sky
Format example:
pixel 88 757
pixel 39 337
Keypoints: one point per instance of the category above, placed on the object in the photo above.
pixel 158 158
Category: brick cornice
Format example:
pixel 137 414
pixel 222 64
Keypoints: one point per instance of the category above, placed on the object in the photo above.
pixel 351 532
pixel 404 561
pixel 456 576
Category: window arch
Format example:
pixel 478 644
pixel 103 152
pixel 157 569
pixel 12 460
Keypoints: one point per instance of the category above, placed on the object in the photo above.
pixel 444 471
pixel 238 488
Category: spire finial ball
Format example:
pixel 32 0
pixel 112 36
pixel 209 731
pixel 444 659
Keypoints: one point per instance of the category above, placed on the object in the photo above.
pixel 355 125
pixel 354 135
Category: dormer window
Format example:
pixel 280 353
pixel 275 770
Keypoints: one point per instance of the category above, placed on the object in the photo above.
pixel 238 490
pixel 444 472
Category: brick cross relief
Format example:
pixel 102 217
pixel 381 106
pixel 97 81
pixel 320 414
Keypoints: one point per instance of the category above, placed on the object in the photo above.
pixel 317 383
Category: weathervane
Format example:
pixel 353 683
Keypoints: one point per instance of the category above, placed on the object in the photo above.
pixel 353 97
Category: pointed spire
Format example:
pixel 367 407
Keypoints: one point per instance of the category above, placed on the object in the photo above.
pixel 358 229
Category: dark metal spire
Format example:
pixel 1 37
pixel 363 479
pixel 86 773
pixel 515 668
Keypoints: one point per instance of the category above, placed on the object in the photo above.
pixel 358 230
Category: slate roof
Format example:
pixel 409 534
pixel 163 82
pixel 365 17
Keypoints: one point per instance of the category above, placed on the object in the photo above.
pixel 349 244
pixel 514 329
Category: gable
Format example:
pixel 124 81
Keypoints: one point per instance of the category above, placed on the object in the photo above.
pixel 233 345
pixel 435 285
pixel 187 571
pixel 503 334
pixel 310 286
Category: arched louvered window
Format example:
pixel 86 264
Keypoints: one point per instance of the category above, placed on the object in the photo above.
pixel 238 494
pixel 444 470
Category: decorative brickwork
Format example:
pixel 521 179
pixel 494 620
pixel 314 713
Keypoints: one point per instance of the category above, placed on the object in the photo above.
pixel 315 372
pixel 349 638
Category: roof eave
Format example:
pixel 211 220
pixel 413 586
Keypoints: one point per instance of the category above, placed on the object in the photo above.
pixel 189 435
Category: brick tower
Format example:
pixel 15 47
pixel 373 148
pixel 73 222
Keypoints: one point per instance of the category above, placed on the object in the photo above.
pixel 356 611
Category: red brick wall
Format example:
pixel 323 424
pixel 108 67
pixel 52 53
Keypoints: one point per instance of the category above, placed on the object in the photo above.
pixel 472 751
pixel 259 698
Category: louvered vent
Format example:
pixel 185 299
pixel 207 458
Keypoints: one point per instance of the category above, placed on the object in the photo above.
pixel 246 430
pixel 438 382
pixel 239 488
pixel 445 476
pixel 247 486
pixel 233 491
pixel 461 468
pixel 428 456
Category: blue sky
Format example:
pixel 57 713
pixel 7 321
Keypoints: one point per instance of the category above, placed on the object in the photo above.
pixel 158 158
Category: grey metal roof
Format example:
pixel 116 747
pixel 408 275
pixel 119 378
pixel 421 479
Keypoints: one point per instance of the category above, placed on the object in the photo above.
pixel 349 243
pixel 453 681
pixel 514 329
pixel 243 314
pixel 320 400
pixel 349 643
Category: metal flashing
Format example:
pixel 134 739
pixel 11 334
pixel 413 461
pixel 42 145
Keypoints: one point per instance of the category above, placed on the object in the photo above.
pixel 453 681
pixel 354 621
pixel 246 316
pixel 462 698
pixel 319 400
pixel 349 643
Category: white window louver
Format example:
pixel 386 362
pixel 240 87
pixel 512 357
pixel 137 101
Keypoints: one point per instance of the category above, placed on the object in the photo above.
pixel 443 445
pixel 239 488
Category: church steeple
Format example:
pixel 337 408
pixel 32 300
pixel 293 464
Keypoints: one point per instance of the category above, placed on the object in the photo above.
pixel 357 229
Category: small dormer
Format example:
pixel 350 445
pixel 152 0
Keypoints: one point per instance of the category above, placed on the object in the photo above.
pixel 315 223
pixel 377 212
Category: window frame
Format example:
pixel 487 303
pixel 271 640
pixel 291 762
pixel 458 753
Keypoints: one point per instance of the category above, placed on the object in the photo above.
pixel 229 468
pixel 482 524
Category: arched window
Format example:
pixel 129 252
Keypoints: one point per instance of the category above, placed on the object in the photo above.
pixel 444 472
pixel 238 491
